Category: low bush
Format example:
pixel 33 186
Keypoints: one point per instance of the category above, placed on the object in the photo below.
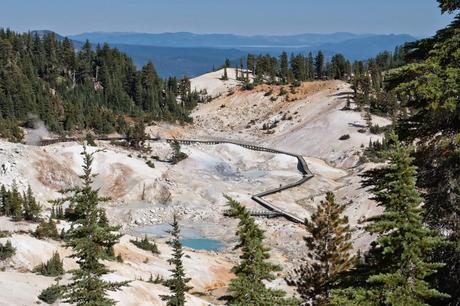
pixel 53 267
pixel 158 279
pixel 4 234
pixel 375 129
pixel 150 164
pixel 296 83
pixel 51 294
pixel 6 250
pixel 248 86
pixel 178 155
pixel 47 229
pixel 344 137
pixel 145 244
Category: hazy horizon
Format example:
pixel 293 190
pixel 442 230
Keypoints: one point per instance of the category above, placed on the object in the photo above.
pixel 414 17
pixel 226 33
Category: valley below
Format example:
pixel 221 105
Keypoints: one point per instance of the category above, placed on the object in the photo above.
pixel 308 120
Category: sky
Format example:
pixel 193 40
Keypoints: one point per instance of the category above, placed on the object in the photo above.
pixel 247 17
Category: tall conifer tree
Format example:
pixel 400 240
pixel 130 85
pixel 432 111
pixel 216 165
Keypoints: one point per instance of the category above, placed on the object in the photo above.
pixel 90 238
pixel 398 263
pixel 329 246
pixel 178 281
pixel 319 65
pixel 248 288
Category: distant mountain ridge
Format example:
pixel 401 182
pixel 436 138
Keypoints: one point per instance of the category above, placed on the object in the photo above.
pixel 186 39
pixel 184 53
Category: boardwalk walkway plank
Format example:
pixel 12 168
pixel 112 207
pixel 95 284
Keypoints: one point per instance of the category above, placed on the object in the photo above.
pixel 274 210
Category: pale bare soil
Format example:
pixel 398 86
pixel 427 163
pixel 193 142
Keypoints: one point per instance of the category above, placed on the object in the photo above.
pixel 143 199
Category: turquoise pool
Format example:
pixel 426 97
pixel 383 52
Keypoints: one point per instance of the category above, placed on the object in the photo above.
pixel 202 244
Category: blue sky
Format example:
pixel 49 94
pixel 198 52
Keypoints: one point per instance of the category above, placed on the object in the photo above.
pixel 416 17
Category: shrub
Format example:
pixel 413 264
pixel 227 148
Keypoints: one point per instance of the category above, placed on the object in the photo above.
pixel 270 125
pixel 150 164
pixel 344 137
pixel 158 279
pixel 47 230
pixel 375 129
pixel 6 250
pixel 4 234
pixel 297 84
pixel 145 244
pixel 248 86
pixel 53 267
pixel 51 294
pixel 178 155
pixel 90 140
pixel 377 150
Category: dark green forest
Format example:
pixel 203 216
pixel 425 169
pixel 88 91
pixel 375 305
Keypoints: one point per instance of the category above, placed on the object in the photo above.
pixel 416 257
pixel 94 88
pixel 99 88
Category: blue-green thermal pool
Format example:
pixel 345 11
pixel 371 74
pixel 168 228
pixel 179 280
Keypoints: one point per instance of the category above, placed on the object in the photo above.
pixel 202 244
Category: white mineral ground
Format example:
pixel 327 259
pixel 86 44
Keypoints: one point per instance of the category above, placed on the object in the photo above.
pixel 143 199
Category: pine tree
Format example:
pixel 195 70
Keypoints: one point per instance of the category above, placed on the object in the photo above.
pixel 250 64
pixel 298 67
pixel 177 284
pixel 90 238
pixel 310 67
pixel 177 154
pixel 14 208
pixel 339 67
pixel 429 85
pixel 136 135
pixel 398 262
pixel 225 75
pixel 319 65
pixel 328 254
pixel 284 67
pixel 32 209
pixel 3 200
pixel 248 288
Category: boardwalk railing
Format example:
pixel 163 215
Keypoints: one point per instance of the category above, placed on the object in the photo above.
pixel 276 211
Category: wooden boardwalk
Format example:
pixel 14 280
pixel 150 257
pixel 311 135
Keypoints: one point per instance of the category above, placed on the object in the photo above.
pixel 301 166
pixel 273 211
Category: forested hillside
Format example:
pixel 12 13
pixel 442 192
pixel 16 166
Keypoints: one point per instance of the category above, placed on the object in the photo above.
pixel 422 96
pixel 94 88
